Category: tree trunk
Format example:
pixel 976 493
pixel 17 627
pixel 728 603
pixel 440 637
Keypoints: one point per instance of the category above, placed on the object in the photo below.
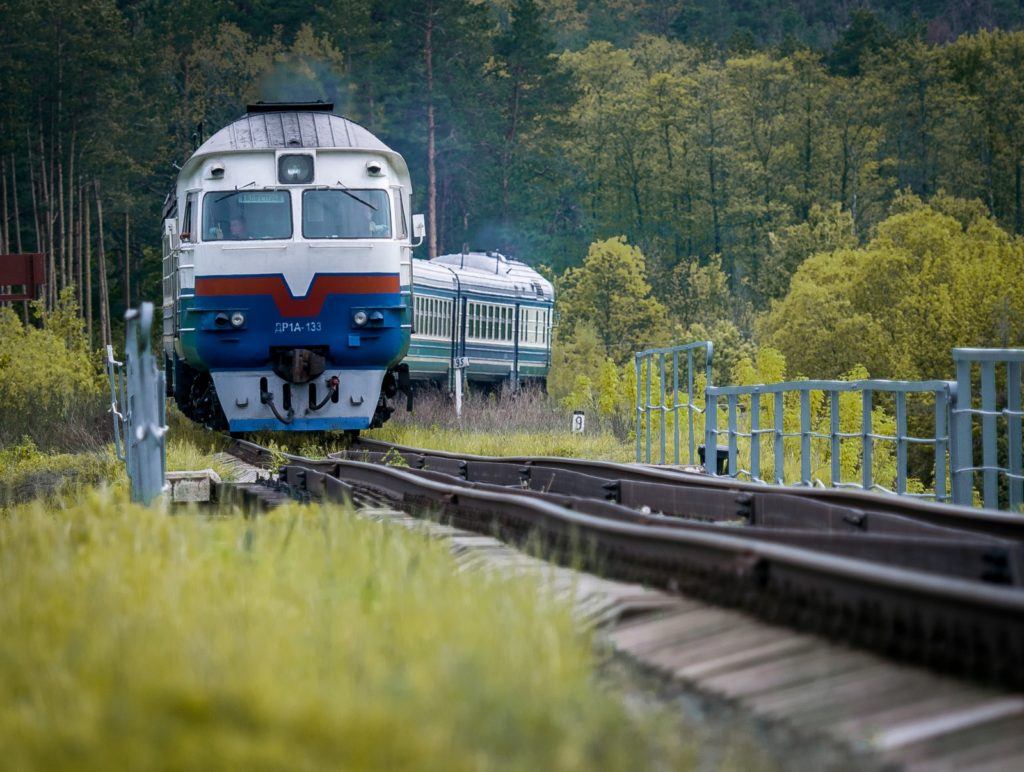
pixel 46 179
pixel 104 292
pixel 87 241
pixel 78 250
pixel 17 211
pixel 70 221
pixel 5 233
pixel 428 53
pixel 127 262
pixel 1018 218
pixel 63 223
pixel 32 192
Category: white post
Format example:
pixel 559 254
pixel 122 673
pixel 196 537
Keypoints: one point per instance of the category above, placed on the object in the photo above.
pixel 458 393
pixel 460 365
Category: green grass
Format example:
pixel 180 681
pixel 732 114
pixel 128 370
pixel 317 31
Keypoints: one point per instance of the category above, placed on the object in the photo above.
pixel 604 447
pixel 191 447
pixel 27 473
pixel 309 638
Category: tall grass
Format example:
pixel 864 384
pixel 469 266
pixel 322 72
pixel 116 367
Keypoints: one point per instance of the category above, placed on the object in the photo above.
pixel 500 424
pixel 306 639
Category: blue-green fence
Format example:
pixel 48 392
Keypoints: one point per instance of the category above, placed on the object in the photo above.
pixel 837 433
pixel 992 422
pixel 670 373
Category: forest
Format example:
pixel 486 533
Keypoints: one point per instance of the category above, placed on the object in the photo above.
pixel 840 181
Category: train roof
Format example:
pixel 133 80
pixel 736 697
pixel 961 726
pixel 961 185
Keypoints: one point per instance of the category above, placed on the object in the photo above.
pixel 489 273
pixel 262 129
pixel 282 126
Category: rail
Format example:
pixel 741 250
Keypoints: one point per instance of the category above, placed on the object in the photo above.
pixel 915 597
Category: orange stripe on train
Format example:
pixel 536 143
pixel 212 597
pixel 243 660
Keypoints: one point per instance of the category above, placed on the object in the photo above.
pixel 289 306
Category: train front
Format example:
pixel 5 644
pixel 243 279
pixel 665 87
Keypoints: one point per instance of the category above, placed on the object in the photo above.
pixel 287 291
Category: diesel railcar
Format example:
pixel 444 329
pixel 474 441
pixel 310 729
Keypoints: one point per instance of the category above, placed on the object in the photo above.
pixel 489 314
pixel 287 257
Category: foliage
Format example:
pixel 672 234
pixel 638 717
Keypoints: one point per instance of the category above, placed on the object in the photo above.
pixel 27 473
pixel 675 162
pixel 50 389
pixel 306 638
pixel 610 292
pixel 923 284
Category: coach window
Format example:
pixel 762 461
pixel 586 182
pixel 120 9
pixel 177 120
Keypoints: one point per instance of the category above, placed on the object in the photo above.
pixel 346 214
pixel 247 216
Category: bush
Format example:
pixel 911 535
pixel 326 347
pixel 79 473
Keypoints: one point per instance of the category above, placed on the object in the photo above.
pixel 50 389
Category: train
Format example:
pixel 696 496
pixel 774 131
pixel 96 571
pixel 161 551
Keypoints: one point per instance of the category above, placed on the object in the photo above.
pixel 480 316
pixel 291 298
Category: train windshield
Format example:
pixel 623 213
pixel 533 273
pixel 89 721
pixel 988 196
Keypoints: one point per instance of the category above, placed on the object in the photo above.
pixel 247 215
pixel 348 213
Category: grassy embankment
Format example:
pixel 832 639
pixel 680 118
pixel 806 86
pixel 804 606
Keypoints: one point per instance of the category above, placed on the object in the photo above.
pixel 528 424
pixel 307 638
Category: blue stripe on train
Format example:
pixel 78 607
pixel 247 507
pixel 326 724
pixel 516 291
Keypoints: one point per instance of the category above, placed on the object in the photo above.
pixel 212 346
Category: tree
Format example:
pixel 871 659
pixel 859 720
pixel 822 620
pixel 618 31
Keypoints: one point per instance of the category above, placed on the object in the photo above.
pixel 923 285
pixel 528 87
pixel 439 47
pixel 863 36
pixel 609 291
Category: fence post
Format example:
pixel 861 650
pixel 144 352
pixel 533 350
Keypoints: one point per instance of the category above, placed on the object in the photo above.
pixel 901 442
pixel 141 413
pixel 962 457
pixel 689 403
pixel 989 455
pixel 675 407
pixel 755 435
pixel 805 437
pixel 835 441
pixel 733 429
pixel 943 399
pixel 649 363
pixel 639 410
pixel 710 432
pixel 780 438
pixel 1013 420
pixel 867 456
pixel 661 404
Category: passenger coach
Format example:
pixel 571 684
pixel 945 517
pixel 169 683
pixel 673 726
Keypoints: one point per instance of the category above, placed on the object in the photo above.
pixel 482 310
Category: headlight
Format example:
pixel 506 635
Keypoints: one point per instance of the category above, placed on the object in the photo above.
pixel 359 317
pixel 237 319
pixel 295 169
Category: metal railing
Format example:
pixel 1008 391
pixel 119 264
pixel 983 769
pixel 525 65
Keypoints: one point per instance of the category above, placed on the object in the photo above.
pixel 1000 413
pixel 138 407
pixel 979 413
pixel 671 363
pixel 748 401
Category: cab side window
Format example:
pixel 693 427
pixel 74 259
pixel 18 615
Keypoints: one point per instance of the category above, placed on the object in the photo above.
pixel 188 224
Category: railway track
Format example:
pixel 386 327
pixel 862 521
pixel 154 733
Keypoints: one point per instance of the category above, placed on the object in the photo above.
pixel 937 586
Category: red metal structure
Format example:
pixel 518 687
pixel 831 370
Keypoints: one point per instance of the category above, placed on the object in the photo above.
pixel 21 270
